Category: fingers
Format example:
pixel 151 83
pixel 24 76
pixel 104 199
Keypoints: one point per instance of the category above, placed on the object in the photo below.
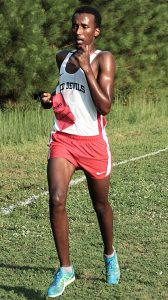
pixel 79 52
pixel 82 57
pixel 82 53
pixel 83 49
pixel 46 97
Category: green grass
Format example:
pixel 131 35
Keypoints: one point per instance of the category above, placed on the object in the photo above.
pixel 19 126
pixel 138 194
pixel 29 124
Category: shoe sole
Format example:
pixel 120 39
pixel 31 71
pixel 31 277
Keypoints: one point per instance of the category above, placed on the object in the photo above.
pixel 113 283
pixel 65 285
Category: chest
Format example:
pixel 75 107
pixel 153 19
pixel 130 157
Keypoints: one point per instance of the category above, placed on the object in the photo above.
pixel 72 66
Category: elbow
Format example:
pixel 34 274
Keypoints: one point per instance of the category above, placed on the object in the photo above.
pixel 105 112
pixel 106 108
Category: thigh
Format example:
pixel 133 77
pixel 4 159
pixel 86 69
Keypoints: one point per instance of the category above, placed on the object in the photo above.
pixel 98 189
pixel 61 146
pixel 59 173
pixel 94 157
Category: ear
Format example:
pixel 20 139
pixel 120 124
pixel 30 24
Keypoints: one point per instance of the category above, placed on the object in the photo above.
pixel 97 32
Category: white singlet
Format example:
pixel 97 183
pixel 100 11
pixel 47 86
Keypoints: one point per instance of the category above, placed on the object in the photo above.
pixel 75 91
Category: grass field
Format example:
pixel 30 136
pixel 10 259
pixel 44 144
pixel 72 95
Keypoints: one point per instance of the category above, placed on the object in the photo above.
pixel 138 194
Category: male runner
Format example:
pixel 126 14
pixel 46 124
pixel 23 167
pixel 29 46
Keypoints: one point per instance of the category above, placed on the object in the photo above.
pixel 78 141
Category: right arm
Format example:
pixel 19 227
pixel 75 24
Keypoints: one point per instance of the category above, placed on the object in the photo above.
pixel 46 98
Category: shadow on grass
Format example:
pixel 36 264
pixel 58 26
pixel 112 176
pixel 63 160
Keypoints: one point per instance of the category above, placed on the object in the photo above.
pixel 29 294
pixel 89 277
pixel 26 268
pixel 78 275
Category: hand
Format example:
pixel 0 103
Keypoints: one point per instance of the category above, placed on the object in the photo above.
pixel 46 97
pixel 46 100
pixel 83 57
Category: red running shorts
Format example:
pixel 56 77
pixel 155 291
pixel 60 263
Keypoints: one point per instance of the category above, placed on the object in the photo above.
pixel 90 154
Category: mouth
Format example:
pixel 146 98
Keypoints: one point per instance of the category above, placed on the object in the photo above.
pixel 79 41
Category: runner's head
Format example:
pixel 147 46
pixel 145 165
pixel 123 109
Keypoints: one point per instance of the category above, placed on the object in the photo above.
pixel 86 22
pixel 89 10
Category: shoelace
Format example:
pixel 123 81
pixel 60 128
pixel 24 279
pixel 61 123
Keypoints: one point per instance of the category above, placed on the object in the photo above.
pixel 111 265
pixel 57 278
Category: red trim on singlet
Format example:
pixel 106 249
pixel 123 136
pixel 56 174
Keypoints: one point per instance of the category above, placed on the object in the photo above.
pixel 101 123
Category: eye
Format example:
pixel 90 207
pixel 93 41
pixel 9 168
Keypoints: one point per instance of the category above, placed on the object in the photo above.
pixel 85 26
pixel 74 26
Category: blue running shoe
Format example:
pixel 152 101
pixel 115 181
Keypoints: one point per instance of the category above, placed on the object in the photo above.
pixel 61 280
pixel 112 269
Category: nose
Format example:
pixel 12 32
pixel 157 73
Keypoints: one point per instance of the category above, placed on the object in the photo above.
pixel 79 30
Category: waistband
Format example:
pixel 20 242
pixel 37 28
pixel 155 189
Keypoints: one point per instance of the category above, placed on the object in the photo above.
pixel 77 137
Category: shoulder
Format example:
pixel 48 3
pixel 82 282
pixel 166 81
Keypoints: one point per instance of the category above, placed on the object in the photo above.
pixel 106 61
pixel 106 56
pixel 60 56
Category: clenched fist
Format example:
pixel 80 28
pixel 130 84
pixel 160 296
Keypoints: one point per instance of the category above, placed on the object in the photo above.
pixel 46 100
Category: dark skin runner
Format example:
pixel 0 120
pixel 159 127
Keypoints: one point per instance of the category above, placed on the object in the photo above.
pixel 100 78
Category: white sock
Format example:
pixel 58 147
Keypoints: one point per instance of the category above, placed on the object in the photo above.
pixel 109 255
pixel 66 269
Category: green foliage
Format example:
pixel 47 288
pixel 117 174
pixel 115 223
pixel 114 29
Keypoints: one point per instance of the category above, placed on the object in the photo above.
pixel 32 31
pixel 23 49
pixel 135 31
pixel 57 27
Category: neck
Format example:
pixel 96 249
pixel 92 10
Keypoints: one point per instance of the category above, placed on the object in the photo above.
pixel 92 51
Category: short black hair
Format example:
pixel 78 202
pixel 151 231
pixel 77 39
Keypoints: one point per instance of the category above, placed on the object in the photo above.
pixel 89 10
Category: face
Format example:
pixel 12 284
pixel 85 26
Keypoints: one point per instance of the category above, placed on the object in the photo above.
pixel 84 29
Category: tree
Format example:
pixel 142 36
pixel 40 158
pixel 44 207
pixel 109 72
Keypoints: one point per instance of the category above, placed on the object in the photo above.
pixel 135 31
pixel 32 31
pixel 25 58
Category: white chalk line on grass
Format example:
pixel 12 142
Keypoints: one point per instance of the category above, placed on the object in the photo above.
pixel 33 198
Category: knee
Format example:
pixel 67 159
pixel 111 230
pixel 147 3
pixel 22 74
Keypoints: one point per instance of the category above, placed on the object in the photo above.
pixel 101 207
pixel 57 201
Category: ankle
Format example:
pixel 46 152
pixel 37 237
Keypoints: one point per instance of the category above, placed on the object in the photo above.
pixel 109 253
pixel 66 269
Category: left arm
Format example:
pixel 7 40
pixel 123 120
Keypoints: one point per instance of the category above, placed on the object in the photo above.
pixel 102 87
